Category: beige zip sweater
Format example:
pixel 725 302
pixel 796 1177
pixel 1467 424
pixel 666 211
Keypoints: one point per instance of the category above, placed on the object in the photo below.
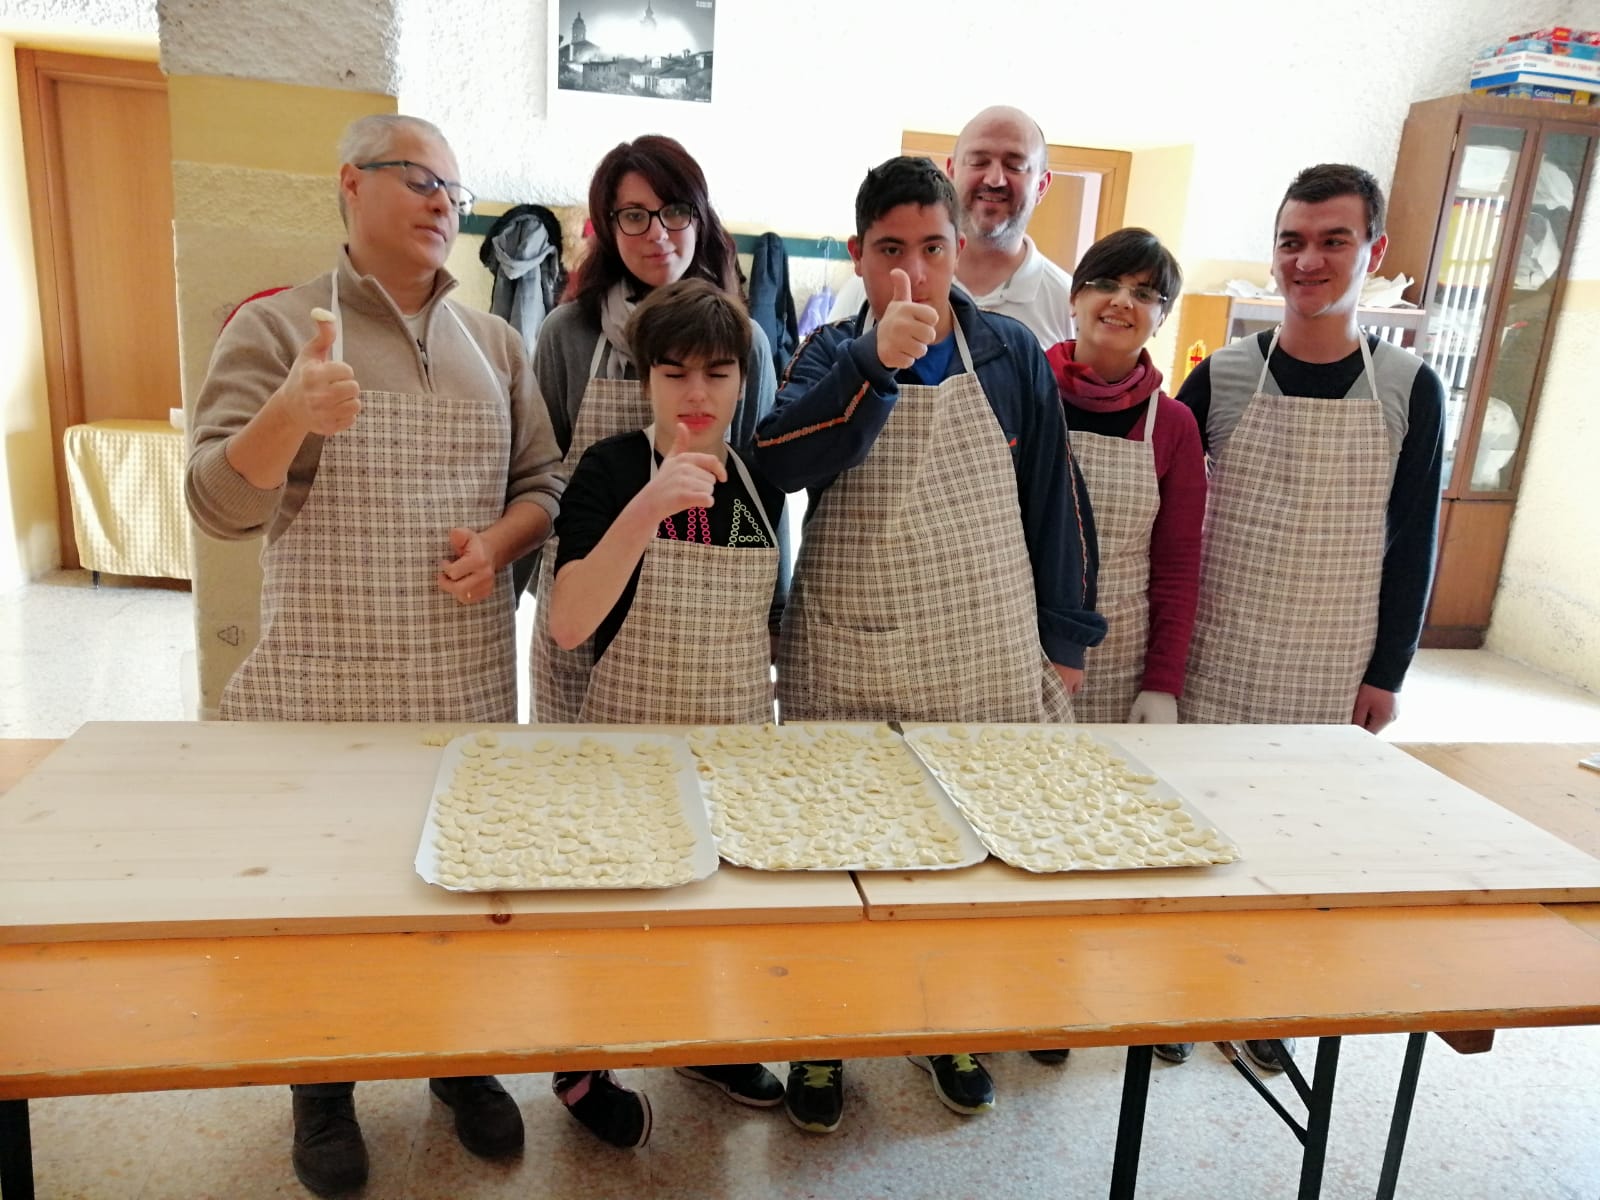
pixel 253 356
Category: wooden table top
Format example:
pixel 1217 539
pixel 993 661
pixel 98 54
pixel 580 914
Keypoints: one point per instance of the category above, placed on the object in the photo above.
pixel 194 1012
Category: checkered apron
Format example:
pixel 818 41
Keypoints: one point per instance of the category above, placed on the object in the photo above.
pixel 1126 494
pixel 561 677
pixel 354 624
pixel 694 648
pixel 1292 560
pixel 913 595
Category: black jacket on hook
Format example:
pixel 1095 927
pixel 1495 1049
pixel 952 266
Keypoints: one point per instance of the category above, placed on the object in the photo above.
pixel 771 301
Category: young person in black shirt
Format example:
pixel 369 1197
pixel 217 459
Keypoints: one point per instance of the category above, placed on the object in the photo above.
pixel 669 557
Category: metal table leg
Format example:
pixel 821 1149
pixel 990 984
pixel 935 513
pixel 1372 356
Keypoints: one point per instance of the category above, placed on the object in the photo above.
pixel 16 1151
pixel 1319 1115
pixel 1400 1123
pixel 1130 1124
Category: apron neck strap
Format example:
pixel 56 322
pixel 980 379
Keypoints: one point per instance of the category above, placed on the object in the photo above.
pixel 1367 368
pixel 337 353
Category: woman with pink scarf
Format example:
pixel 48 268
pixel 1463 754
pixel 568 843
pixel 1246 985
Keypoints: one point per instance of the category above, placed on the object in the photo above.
pixel 1139 452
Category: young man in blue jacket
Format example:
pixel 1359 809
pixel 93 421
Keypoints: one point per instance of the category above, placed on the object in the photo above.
pixel 947 567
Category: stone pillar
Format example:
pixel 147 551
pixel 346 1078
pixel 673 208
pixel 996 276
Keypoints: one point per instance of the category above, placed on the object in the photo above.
pixel 258 96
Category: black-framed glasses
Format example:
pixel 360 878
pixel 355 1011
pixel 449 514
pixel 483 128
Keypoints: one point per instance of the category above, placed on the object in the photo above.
pixel 635 221
pixel 424 182
pixel 1142 293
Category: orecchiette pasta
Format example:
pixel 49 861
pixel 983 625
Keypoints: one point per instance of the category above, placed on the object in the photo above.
pixel 1056 799
pixel 821 797
pixel 580 814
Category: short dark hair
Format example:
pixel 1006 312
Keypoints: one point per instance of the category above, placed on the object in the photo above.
pixel 1328 181
pixel 691 318
pixel 676 177
pixel 904 180
pixel 1131 251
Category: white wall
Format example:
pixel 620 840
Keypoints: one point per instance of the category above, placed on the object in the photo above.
pixel 808 96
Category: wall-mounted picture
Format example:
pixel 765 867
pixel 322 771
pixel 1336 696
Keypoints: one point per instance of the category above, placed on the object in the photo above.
pixel 659 48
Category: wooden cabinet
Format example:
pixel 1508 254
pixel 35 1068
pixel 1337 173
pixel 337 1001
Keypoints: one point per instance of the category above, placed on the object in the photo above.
pixel 1484 211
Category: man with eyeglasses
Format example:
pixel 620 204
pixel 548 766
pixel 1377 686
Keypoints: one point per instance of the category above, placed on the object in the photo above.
pixel 394 450
pixel 1000 168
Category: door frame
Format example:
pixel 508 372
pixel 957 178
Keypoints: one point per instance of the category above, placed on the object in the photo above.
pixel 38 73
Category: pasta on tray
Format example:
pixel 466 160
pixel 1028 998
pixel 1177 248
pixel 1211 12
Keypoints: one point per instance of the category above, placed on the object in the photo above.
pixel 827 797
pixel 1056 798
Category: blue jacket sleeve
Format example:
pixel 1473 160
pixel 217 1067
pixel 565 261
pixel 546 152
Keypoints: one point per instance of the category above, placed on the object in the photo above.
pixel 832 404
pixel 1057 522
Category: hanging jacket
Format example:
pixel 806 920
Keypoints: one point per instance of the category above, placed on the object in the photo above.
pixel 523 250
pixel 771 301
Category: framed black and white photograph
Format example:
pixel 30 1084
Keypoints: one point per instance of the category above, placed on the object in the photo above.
pixel 656 48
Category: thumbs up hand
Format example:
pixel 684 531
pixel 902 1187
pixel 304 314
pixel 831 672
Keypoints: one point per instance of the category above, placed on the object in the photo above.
pixel 685 480
pixel 321 396
pixel 905 328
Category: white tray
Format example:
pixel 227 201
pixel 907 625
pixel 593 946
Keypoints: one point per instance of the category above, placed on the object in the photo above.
pixel 700 859
pixel 879 857
pixel 926 740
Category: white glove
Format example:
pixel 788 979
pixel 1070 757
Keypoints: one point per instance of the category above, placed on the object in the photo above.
pixel 1154 708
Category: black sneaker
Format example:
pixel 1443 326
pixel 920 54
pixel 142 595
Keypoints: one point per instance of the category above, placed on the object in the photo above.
pixel 1264 1053
pixel 1050 1058
pixel 616 1115
pixel 963 1086
pixel 487 1119
pixel 814 1096
pixel 330 1157
pixel 1174 1052
pixel 743 1083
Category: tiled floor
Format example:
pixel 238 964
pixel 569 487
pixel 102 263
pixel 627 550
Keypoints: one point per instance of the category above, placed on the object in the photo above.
pixel 1519 1123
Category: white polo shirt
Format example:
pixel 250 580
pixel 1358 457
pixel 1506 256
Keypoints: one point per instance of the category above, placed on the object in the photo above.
pixel 1037 294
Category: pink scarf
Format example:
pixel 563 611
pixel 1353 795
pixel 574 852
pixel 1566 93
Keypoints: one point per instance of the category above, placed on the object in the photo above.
pixel 1082 387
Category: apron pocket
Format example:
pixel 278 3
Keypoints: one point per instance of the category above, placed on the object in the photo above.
pixel 861 674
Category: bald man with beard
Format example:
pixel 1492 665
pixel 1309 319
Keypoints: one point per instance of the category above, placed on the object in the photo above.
pixel 999 168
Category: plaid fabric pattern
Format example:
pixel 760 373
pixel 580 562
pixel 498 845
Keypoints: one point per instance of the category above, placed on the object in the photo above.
pixel 1291 563
pixel 560 677
pixel 913 595
pixel 354 624
pixel 1121 476
pixel 695 647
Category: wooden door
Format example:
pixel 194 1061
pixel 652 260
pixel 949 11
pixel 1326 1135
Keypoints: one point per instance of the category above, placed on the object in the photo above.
pixel 99 162
pixel 1087 196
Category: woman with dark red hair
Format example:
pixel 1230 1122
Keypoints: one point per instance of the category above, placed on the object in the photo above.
pixel 653 225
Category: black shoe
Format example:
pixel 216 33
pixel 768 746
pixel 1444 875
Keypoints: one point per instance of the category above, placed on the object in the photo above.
pixel 616 1115
pixel 329 1156
pixel 743 1083
pixel 1174 1052
pixel 1050 1058
pixel 960 1081
pixel 1264 1053
pixel 814 1096
pixel 487 1120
